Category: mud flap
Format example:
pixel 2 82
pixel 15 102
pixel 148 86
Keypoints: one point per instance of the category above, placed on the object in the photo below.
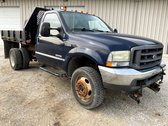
pixel 7 46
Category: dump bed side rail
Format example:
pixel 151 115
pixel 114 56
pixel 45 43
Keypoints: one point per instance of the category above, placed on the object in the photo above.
pixel 13 36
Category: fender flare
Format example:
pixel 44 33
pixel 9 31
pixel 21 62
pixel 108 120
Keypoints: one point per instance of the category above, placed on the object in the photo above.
pixel 86 52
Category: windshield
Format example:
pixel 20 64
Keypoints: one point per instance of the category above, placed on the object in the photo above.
pixel 84 22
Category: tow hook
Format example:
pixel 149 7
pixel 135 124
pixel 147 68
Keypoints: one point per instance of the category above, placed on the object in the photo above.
pixel 155 87
pixel 136 95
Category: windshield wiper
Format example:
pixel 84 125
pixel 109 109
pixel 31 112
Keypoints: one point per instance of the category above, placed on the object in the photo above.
pixel 91 30
pixel 97 30
pixel 81 29
pixel 85 29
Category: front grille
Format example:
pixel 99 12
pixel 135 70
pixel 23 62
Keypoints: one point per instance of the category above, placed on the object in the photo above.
pixel 143 57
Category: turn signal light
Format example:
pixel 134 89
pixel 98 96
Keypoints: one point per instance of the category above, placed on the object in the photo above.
pixel 109 63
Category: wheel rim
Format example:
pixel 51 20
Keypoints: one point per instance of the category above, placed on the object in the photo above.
pixel 12 61
pixel 83 89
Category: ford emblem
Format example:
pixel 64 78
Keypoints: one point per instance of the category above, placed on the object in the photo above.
pixel 154 56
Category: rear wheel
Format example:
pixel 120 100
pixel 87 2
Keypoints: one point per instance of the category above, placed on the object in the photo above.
pixel 15 59
pixel 25 57
pixel 87 87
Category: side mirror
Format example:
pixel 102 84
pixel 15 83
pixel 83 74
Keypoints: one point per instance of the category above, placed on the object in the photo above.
pixel 45 29
pixel 60 35
pixel 59 29
pixel 115 30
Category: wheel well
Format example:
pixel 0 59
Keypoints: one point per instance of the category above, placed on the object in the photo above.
pixel 80 61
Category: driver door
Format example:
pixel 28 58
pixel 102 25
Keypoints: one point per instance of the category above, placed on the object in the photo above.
pixel 49 49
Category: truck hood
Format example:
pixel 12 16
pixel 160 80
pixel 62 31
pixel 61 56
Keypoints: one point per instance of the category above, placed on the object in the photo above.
pixel 111 41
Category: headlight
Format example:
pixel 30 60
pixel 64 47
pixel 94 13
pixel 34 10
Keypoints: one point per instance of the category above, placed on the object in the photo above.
pixel 118 58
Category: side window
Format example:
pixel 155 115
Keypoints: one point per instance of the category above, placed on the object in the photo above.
pixel 53 20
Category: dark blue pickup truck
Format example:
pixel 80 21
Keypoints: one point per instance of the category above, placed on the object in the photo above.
pixel 85 49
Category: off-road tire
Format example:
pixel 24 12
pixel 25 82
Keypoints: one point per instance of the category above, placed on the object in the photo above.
pixel 25 57
pixel 94 78
pixel 15 59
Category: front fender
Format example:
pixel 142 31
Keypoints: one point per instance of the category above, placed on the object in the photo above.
pixel 95 56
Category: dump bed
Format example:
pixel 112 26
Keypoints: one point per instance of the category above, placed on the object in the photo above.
pixel 26 37
pixel 28 34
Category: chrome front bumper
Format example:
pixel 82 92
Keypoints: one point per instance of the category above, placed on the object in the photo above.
pixel 125 76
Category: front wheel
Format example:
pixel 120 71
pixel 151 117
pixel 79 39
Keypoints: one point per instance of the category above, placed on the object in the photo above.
pixel 87 87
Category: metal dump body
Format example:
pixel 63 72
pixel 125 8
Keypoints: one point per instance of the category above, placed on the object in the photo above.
pixel 27 36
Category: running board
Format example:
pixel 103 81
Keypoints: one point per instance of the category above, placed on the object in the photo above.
pixel 53 73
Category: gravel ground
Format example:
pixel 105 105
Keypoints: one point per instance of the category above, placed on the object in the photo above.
pixel 35 98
